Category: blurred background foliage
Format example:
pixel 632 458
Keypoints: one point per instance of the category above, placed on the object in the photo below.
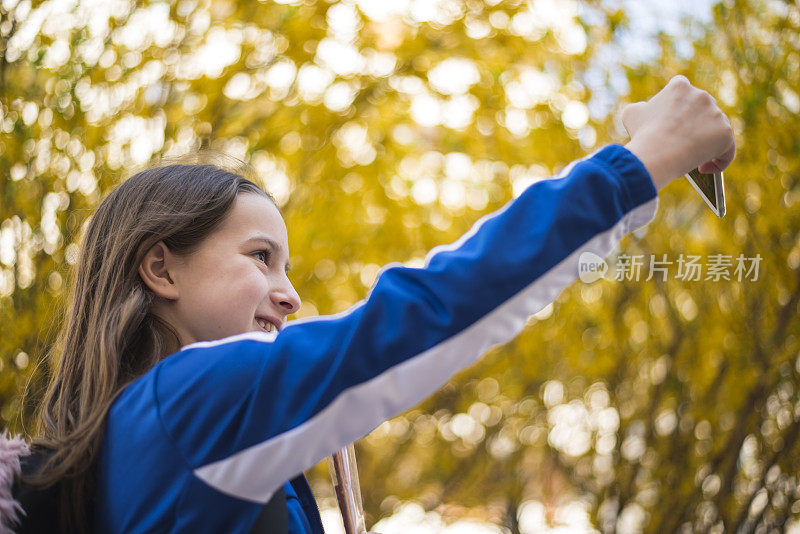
pixel 386 128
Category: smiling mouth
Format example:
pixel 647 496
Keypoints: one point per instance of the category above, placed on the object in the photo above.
pixel 265 325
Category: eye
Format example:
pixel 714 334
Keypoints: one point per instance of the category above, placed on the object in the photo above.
pixel 265 253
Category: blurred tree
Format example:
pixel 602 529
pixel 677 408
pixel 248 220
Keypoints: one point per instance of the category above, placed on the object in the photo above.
pixel 662 404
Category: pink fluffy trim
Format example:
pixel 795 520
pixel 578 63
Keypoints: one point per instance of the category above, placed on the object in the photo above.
pixel 11 450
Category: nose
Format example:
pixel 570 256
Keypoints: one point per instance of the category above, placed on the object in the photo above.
pixel 286 297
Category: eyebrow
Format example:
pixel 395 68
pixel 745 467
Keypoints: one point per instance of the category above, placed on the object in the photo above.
pixel 270 244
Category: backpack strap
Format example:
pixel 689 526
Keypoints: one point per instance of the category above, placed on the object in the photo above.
pixel 274 516
pixel 40 506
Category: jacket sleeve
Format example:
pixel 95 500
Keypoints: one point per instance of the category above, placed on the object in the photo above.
pixel 250 411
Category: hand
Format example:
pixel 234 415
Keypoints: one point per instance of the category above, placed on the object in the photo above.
pixel 677 130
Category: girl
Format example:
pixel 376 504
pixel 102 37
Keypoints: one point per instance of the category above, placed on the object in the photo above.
pixel 182 401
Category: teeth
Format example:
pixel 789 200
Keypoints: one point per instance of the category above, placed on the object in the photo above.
pixel 269 327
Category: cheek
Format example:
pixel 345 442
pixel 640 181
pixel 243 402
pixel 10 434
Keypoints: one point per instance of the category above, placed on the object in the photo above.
pixel 228 285
pixel 234 295
pixel 249 282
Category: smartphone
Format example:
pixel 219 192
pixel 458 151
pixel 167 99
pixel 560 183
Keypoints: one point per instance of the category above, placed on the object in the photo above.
pixel 711 188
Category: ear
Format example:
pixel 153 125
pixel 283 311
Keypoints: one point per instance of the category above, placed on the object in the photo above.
pixel 154 271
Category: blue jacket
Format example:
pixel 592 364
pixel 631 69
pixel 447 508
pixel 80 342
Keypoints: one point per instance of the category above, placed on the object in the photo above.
pixel 201 442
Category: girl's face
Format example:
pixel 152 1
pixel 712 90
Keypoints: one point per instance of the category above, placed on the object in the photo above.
pixel 236 279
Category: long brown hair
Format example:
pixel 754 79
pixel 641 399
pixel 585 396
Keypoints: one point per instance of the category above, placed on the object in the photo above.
pixel 109 336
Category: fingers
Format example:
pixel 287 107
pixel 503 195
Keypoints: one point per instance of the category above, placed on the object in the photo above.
pixel 724 160
pixel 710 167
pixel 631 117
pixel 677 129
pixel 721 162
pixel 718 164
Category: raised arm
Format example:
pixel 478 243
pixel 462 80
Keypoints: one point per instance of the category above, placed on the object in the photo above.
pixel 251 411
